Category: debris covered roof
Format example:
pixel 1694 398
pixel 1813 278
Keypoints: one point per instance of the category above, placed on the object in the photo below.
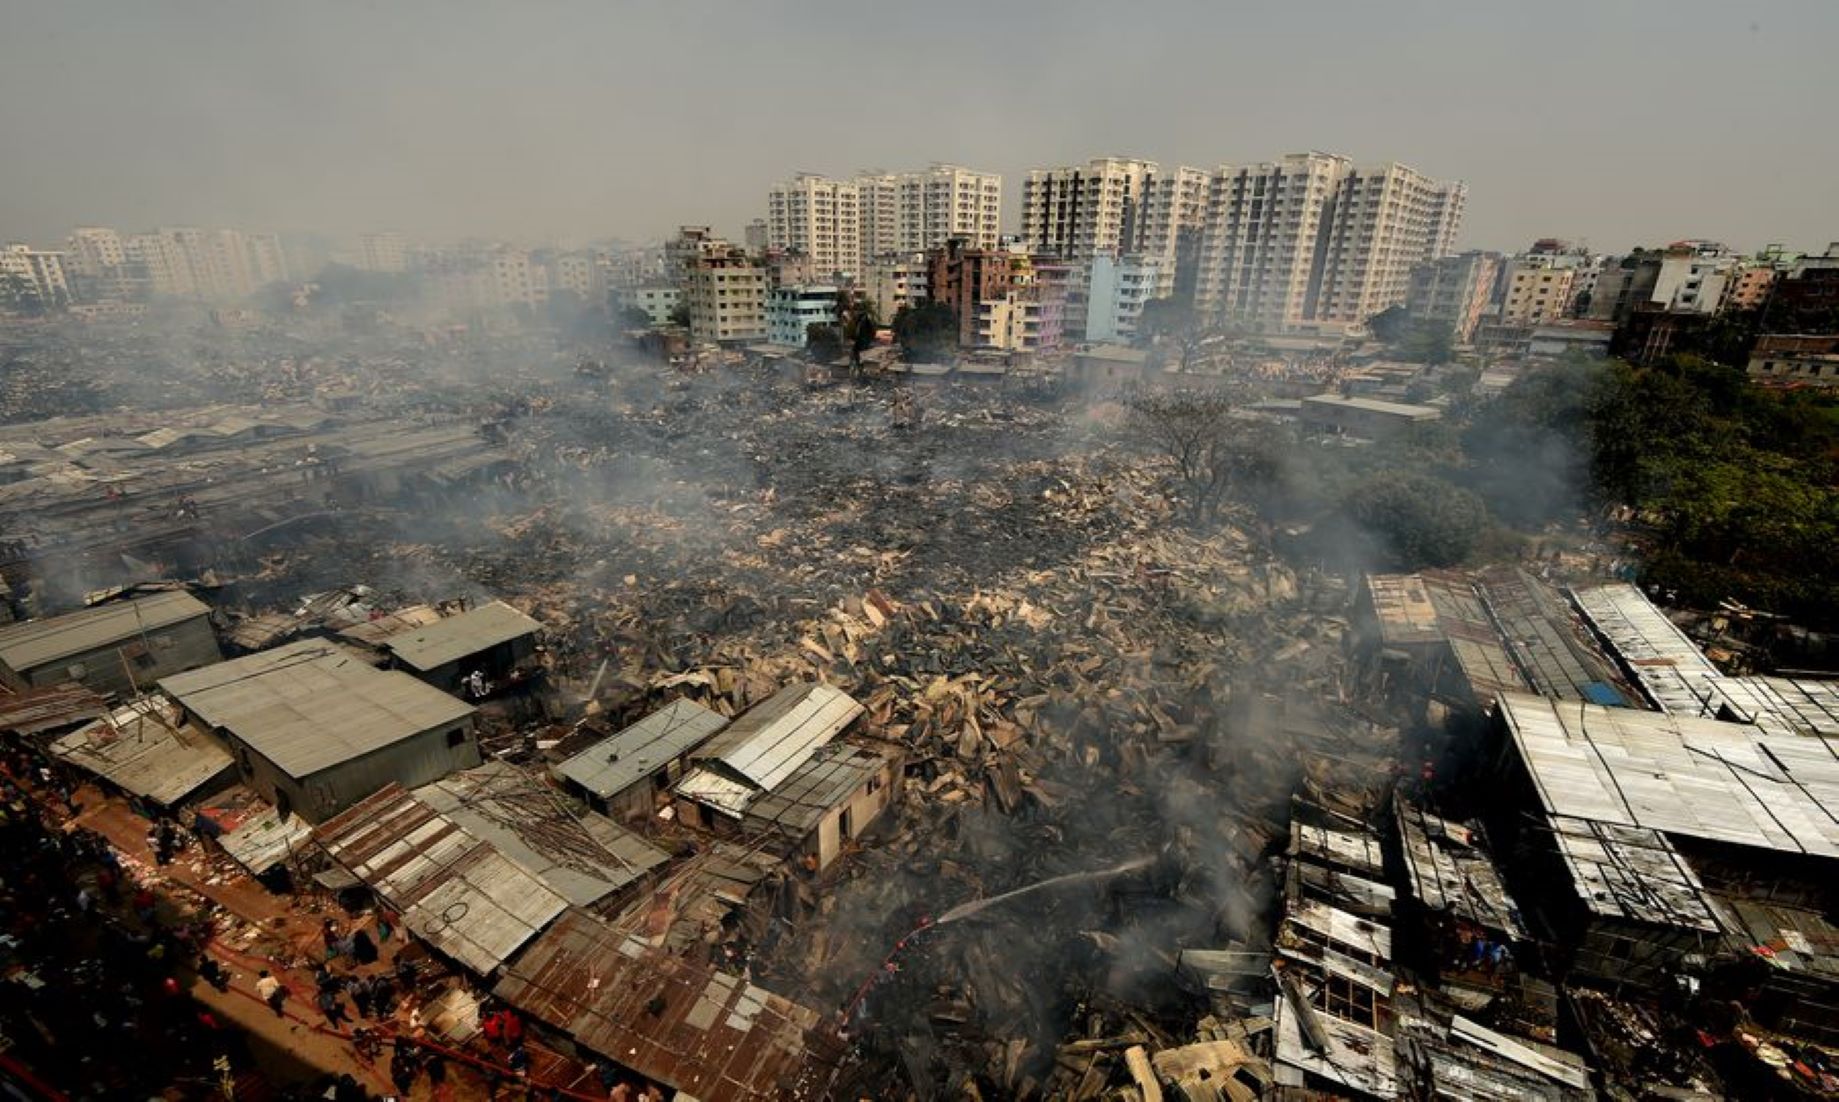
pixel 832 775
pixel 1448 871
pixel 1700 778
pixel 48 708
pixel 1632 873
pixel 698 1031
pixel 32 644
pixel 1780 705
pixel 453 889
pixel 142 751
pixel 1403 609
pixel 763 748
pixel 455 637
pixel 621 760
pixel 311 704
pixel 583 858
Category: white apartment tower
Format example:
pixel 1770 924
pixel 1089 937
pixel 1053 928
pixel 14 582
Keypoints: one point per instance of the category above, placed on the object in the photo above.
pixel 726 293
pixel 1313 238
pixel 95 250
pixel 843 225
pixel 819 217
pixel 1077 212
pixel 42 271
pixel 384 252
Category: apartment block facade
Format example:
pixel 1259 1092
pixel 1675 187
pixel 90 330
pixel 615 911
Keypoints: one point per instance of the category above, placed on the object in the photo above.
pixel 726 293
pixel 844 225
pixel 818 217
pixel 1455 290
pixel 1313 238
pixel 41 272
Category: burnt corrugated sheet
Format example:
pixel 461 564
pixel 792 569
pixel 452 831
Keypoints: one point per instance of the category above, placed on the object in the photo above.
pixel 688 1026
pixel 52 708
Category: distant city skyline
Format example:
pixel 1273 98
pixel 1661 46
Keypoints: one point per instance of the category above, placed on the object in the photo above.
pixel 1616 125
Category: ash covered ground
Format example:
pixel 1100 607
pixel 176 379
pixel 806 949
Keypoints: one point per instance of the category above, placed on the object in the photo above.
pixel 1002 579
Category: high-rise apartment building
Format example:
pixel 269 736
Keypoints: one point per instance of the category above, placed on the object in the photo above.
pixel 267 260
pixel 1077 212
pixel 94 250
pixel 843 225
pixel 42 273
pixel 819 217
pixel 160 265
pixel 1454 290
pixel 387 251
pixel 1313 238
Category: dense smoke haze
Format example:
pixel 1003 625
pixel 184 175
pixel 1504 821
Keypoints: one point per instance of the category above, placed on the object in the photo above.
pixel 575 121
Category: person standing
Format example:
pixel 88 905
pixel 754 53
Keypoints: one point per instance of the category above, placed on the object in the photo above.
pixel 271 992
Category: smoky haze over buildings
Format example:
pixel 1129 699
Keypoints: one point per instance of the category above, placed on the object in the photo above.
pixel 565 122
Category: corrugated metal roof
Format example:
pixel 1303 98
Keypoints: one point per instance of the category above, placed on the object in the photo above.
pixel 621 760
pixel 832 775
pixel 1666 664
pixel 1700 778
pixel 1780 705
pixel 1447 871
pixel 456 637
pixel 1402 607
pixel 1633 873
pixel 696 1030
pixel 32 644
pixel 770 742
pixel 583 858
pixel 454 890
pixel 311 704
pixel 144 752
pixel 265 839
pixel 1375 405
pixel 49 708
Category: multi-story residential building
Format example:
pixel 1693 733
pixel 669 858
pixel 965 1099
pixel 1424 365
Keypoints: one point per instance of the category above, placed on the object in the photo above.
pixel 1177 212
pixel 1538 287
pixel 820 218
pixel 1079 211
pixel 682 251
pixel 160 265
pixel 945 202
pixel 878 196
pixel 515 281
pixel 1686 277
pixel 42 274
pixel 726 292
pixel 658 300
pixel 577 273
pixel 95 250
pixel 1454 290
pixel 757 236
pixel 267 259
pixel 1115 292
pixel 791 311
pixel 961 277
pixel 387 251
pixel 892 283
pixel 1748 287
pixel 1386 220
pixel 1314 238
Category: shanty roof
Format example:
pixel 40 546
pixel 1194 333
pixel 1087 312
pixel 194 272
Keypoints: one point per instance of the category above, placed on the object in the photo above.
pixel 311 705
pixel 1546 639
pixel 1403 609
pixel 265 838
pixel 1632 873
pixel 456 637
pixel 1357 851
pixel 1780 705
pixel 698 1031
pixel 454 890
pixel 1663 661
pixel 768 744
pixel 1374 405
pixel 1474 641
pixel 34 643
pixel 621 760
pixel 1467 1062
pixel 49 708
pixel 1448 872
pixel 144 752
pixel 583 858
pixel 832 775
pixel 1699 778
pixel 1355 1056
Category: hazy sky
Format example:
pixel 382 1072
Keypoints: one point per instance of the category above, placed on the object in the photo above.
pixel 1616 122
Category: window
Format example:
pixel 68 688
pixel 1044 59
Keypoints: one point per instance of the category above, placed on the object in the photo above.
pixel 456 737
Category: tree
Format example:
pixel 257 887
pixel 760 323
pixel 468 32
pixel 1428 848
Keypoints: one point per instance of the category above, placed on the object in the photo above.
pixel 634 317
pixel 1390 324
pixel 1215 454
pixel 927 332
pixel 680 315
pixel 1173 320
pixel 1417 520
pixel 857 325
pixel 823 344
pixel 1428 341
